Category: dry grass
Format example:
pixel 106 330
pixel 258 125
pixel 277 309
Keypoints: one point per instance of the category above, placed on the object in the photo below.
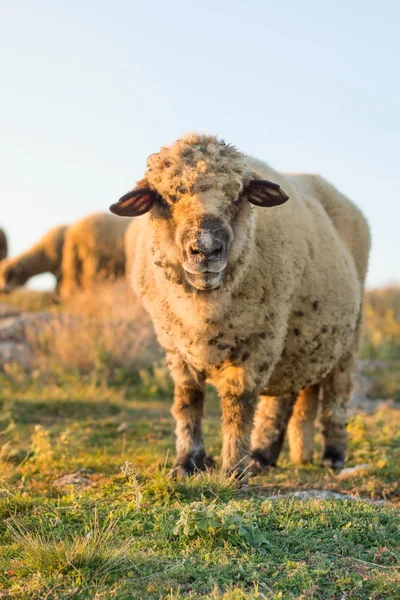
pixel 104 330
pixel 106 301
pixel 28 300
pixel 96 551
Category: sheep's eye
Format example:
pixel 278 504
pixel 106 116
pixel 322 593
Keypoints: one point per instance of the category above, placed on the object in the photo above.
pixel 162 208
pixel 162 203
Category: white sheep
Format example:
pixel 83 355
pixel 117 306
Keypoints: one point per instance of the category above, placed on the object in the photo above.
pixel 254 281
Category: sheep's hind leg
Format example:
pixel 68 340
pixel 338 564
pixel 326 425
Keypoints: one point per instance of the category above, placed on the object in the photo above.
pixel 272 416
pixel 301 428
pixel 188 409
pixel 71 271
pixel 335 397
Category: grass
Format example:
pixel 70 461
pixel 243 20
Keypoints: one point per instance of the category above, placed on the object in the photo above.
pixel 385 379
pixel 28 300
pixel 134 533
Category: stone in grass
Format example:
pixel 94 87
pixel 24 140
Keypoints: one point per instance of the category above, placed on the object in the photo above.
pixel 309 494
pixel 123 428
pixel 15 353
pixel 325 495
pixel 352 471
pixel 321 495
pixel 8 310
pixel 76 480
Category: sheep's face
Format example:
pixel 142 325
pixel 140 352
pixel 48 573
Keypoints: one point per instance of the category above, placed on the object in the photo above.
pixel 199 193
pixel 203 231
pixel 10 276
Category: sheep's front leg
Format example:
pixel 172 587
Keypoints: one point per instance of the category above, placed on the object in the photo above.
pixel 273 414
pixel 238 402
pixel 187 409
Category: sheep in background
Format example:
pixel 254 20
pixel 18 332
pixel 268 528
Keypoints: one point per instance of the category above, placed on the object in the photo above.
pixel 3 244
pixel 260 296
pixel 93 252
pixel 43 257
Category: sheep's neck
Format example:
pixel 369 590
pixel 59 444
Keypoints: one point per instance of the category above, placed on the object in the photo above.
pixel 34 263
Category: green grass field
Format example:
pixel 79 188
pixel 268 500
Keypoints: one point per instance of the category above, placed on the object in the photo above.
pixel 139 535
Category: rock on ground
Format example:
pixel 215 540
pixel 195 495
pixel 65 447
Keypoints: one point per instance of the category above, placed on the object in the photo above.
pixel 17 329
pixel 325 495
pixel 76 480
pixel 352 471
pixel 15 352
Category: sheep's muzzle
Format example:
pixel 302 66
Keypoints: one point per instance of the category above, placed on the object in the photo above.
pixel 205 250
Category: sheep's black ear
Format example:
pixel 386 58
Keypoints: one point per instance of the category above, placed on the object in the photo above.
pixel 135 203
pixel 265 193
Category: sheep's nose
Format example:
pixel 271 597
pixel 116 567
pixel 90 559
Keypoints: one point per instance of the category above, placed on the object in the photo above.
pixel 209 250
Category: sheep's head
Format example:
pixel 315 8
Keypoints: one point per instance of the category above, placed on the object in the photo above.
pixel 200 193
pixel 11 276
pixel 3 245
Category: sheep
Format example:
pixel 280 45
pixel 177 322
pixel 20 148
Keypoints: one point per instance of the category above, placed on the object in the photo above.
pixel 3 244
pixel 254 282
pixel 93 251
pixel 43 257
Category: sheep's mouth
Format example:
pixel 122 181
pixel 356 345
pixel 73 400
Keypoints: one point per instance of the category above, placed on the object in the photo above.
pixel 207 280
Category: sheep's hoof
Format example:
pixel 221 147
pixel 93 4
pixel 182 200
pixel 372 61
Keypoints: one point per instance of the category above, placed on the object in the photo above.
pixel 190 465
pixel 333 458
pixel 260 464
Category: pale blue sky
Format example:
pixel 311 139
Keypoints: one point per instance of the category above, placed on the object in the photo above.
pixel 90 89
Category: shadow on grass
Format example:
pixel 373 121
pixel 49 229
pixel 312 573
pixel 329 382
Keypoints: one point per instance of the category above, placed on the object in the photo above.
pixel 50 410
pixel 28 412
